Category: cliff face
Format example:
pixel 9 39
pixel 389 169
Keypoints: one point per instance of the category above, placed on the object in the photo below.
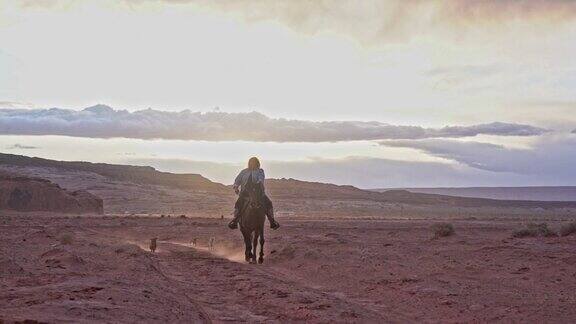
pixel 296 189
pixel 34 194
pixel 136 174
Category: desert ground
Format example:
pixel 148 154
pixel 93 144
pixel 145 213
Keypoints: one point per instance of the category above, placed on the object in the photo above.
pixel 76 269
pixel 342 255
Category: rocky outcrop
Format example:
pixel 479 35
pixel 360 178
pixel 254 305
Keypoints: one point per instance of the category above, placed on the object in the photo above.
pixel 34 194
pixel 136 174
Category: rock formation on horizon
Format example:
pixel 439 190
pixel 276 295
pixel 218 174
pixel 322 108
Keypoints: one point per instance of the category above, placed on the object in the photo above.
pixel 27 194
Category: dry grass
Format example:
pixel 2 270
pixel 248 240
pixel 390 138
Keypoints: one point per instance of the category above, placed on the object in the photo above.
pixel 443 230
pixel 568 229
pixel 534 230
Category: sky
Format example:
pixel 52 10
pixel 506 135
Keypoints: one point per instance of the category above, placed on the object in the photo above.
pixel 373 93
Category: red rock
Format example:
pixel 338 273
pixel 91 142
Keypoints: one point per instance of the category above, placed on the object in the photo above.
pixel 26 194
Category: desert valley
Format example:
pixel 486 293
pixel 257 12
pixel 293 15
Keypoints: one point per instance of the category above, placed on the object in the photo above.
pixel 342 254
pixel 284 161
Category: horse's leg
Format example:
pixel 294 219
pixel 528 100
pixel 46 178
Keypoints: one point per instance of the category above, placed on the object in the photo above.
pixel 261 258
pixel 247 243
pixel 255 245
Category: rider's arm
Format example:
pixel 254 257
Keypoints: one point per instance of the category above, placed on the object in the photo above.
pixel 261 177
pixel 238 181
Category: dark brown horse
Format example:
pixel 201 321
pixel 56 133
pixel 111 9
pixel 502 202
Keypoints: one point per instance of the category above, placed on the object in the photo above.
pixel 252 217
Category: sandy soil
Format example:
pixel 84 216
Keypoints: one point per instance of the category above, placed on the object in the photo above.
pixel 98 269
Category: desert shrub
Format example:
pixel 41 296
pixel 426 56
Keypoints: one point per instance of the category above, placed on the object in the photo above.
pixel 568 229
pixel 524 232
pixel 542 229
pixel 443 229
pixel 534 230
pixel 66 239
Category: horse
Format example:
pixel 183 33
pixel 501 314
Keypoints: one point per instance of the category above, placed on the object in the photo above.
pixel 252 218
pixel 211 243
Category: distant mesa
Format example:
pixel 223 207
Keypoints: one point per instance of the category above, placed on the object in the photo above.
pixel 26 194
pixel 281 189
pixel 296 189
pixel 137 174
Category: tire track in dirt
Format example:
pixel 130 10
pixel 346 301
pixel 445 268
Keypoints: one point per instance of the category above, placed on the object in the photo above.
pixel 201 311
pixel 286 299
pixel 226 290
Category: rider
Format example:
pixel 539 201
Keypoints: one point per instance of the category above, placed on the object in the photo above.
pixel 242 179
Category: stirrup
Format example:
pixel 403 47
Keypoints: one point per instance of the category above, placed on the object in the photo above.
pixel 274 225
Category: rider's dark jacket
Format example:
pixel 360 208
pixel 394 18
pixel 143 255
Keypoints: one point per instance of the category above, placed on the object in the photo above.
pixel 256 177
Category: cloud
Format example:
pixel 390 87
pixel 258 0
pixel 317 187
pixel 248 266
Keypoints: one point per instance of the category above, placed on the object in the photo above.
pixel 14 104
pixel 499 10
pixel 21 147
pixel 371 21
pixel 471 78
pixel 552 158
pixel 104 122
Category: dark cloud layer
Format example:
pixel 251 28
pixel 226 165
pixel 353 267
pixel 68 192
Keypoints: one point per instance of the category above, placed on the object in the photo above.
pixel 104 122
pixel 551 159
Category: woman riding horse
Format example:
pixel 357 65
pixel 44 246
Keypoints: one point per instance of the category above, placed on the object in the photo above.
pixel 255 174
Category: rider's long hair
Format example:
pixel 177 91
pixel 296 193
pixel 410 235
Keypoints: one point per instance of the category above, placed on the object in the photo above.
pixel 253 163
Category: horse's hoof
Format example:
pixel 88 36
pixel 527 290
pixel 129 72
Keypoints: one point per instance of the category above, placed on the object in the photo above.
pixel 260 260
pixel 274 225
pixel 252 261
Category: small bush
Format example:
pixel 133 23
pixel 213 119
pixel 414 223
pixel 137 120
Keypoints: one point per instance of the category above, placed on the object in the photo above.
pixel 534 230
pixel 443 230
pixel 66 239
pixel 524 232
pixel 568 229
pixel 542 229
